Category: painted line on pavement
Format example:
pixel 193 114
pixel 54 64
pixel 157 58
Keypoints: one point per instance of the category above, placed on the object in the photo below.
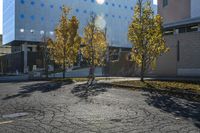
pixel 6 122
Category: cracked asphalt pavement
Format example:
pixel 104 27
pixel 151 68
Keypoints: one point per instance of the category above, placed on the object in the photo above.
pixel 46 107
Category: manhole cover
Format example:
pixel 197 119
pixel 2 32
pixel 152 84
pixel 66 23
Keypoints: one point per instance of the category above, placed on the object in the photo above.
pixel 15 115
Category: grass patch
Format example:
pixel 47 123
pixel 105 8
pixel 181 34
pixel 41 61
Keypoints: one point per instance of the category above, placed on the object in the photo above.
pixel 183 85
pixel 183 89
pixel 69 79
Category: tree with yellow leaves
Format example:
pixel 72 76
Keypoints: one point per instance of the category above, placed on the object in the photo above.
pixel 64 49
pixel 95 46
pixel 146 35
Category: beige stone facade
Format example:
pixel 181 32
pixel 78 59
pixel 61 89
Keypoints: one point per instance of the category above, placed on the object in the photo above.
pixel 182 60
pixel 182 34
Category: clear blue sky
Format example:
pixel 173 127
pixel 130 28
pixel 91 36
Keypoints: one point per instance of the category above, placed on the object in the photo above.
pixel 1 14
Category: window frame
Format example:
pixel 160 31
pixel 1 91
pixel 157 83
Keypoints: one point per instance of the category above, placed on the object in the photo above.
pixel 165 3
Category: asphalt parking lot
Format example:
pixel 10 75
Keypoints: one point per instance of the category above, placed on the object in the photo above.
pixel 45 107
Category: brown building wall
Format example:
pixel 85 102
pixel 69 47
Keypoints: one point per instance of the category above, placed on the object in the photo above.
pixel 189 50
pixel 167 63
pixel 175 10
pixel 189 56
pixel 121 67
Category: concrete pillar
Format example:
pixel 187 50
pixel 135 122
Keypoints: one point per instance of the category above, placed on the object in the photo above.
pixel 176 31
pixel 24 49
pixel 120 50
pixel 34 48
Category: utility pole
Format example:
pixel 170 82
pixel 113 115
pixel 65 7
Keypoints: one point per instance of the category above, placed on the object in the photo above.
pixel 107 55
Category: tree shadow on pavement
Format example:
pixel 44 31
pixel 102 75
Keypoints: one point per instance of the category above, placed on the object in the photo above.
pixel 27 90
pixel 179 107
pixel 84 91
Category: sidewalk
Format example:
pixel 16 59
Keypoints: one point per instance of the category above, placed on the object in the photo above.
pixel 119 79
pixel 116 79
pixel 105 79
pixel 77 73
pixel 14 78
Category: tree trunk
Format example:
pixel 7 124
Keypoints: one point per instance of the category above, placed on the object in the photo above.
pixel 64 60
pixel 46 62
pixel 143 65
pixel 46 70
pixel 64 65
pixel 93 76
pixel 64 70
pixel 142 70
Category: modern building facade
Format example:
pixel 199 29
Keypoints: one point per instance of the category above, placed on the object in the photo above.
pixel 3 51
pixel 27 21
pixel 182 34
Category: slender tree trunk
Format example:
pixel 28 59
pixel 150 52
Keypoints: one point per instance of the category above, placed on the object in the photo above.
pixel 142 69
pixel 46 70
pixel 92 65
pixel 45 55
pixel 93 76
pixel 54 67
pixel 64 62
pixel 46 61
pixel 142 73
pixel 63 70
